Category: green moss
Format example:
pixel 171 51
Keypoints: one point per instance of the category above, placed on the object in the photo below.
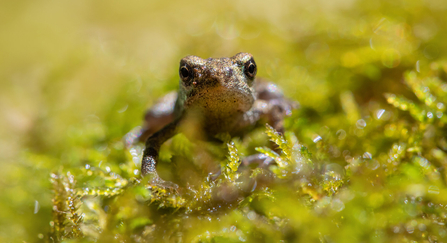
pixel 362 160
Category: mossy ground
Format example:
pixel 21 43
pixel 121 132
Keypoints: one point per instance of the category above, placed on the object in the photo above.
pixel 363 159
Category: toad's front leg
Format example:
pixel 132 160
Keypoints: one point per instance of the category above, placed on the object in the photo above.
pixel 150 154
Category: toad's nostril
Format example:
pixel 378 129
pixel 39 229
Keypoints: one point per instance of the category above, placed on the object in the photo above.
pixel 230 72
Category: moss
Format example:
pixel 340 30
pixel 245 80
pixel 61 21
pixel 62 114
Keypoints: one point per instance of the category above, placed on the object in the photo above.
pixel 395 194
pixel 362 160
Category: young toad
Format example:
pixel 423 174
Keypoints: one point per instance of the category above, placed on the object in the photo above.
pixel 224 93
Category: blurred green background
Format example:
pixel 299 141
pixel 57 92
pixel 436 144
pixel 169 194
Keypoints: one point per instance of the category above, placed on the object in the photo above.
pixel 76 76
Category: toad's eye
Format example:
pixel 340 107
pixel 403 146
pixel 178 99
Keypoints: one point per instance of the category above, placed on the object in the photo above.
pixel 250 68
pixel 185 73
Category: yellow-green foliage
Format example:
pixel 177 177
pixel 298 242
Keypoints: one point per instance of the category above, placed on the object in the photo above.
pixel 233 163
pixel 364 158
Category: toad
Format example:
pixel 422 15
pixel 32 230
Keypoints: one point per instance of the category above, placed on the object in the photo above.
pixel 224 93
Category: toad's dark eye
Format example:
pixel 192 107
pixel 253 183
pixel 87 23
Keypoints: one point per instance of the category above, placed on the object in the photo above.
pixel 250 68
pixel 185 73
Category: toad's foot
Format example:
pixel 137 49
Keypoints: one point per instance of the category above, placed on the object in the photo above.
pixel 262 160
pixel 155 182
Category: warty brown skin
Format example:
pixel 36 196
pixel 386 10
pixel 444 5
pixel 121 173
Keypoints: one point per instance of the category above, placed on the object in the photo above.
pixel 226 95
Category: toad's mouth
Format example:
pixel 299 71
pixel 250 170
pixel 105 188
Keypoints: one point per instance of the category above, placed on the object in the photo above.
pixel 221 101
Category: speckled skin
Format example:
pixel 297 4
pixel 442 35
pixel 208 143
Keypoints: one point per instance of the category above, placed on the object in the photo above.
pixel 226 96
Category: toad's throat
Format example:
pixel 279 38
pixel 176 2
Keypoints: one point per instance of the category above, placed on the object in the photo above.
pixel 220 103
